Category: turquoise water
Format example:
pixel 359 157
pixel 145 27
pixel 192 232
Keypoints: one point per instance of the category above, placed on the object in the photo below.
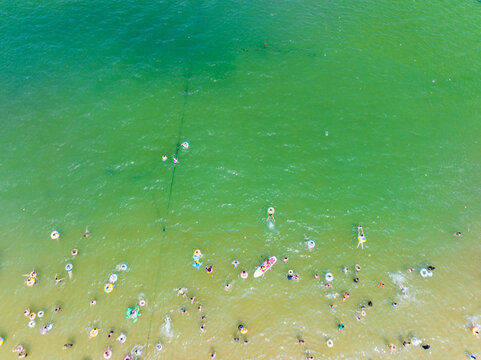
pixel 335 113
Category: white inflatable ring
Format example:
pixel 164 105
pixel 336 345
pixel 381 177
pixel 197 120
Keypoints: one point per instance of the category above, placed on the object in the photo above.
pixel 363 313
pixel 55 235
pixel 424 272
pixel 329 277
pixel 311 244
pixel 69 267
pixel 31 323
pixel 330 343
pixel 113 278
pixel 123 267
pixel 142 302
pixel 40 314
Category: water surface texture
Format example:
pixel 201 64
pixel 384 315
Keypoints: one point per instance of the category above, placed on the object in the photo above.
pixel 336 113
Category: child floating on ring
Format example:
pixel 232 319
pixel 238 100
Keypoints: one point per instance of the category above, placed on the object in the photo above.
pixel 270 214
pixel 360 237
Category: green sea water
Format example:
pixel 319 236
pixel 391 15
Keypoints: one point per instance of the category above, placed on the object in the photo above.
pixel 336 113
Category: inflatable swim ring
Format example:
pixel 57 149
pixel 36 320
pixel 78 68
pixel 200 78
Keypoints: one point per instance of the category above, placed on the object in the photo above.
pixel 475 330
pixel 159 346
pixel 1 340
pixel 185 145
pixel 31 323
pixel 31 281
pixel 32 316
pixel 363 313
pixel 424 272
pixel 122 338
pixel 93 333
pixel 329 277
pixel 164 157
pixel 133 313
pixel 244 330
pixel 357 267
pixel 127 357
pixel 69 267
pixel 430 273
pixel 138 352
pixel 142 302
pixel 330 343
pixel 310 244
pixel 271 211
pixel 415 341
pixel 244 275
pixel 107 354
pixel 108 288
pixel 113 278
pixel 197 253
pixel 121 267
pixel 290 272
pixel 40 314
pixel 55 235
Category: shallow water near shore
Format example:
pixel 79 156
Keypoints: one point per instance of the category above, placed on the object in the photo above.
pixel 335 113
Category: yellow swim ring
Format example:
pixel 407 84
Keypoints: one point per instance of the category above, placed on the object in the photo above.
pixel 31 281
pixel 94 332
pixel 1 340
pixel 197 253
pixel 108 288
pixel 244 331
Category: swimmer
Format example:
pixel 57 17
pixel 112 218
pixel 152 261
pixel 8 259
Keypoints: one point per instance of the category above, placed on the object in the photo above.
pixel 236 339
pixel 285 258
pixel 394 304
pixel 410 270
pixel 245 341
pixel 270 214
pixel 296 277
pixel 26 312
pixel 431 268
pixel 74 252
pixel 203 318
pixel 457 234
pixel 86 234
pixel 181 292
pixel 22 355
pixel 67 346
pixel 381 284
pixel 392 347
pixel 93 302
pixel 316 276
pixel 406 343
pixel 33 274
pixel 57 309
pixel 475 330
pixel 209 269
pixel 328 286
pixel 199 308
pixel 345 270
pixel 360 237
pixel 192 299
pixel 158 346
pixel 301 341
pixel 185 145
pixel 122 338
pixel 340 326
pixel 228 287
pixel 19 348
pixel 356 280
pixel 58 280
pixel 244 274
pixel 110 334
pixel 175 160
pixel 357 267
pixel 235 263
pixel 202 327
pixel 184 311
pixel 164 157
pixel 369 303
pixel 332 306
pixel 403 290
pixel 425 347
pixel 332 295
pixel 345 296
pixel 212 355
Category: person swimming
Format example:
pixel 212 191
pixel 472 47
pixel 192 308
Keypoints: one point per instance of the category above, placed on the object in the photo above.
pixel 270 214
pixel 86 234
pixel 360 237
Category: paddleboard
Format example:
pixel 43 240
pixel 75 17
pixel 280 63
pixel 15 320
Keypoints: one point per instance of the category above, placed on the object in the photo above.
pixel 266 265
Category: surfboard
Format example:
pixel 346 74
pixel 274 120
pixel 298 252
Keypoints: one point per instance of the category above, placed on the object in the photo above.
pixel 266 265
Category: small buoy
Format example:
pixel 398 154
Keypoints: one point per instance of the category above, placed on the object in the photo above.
pixel 185 145
pixel 69 267
pixel 32 324
pixel 55 235
pixel 159 346
pixel 329 277
pixel 108 288
pixel 142 302
pixel 330 343
pixel 40 314
pixel 32 316
pixel 113 278
pixel 122 338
